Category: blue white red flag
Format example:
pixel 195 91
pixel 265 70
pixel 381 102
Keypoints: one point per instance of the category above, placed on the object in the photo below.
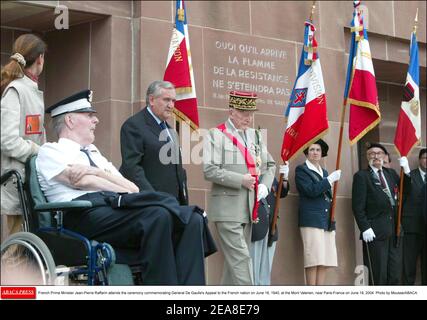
pixel 408 131
pixel 361 89
pixel 306 112
pixel 179 70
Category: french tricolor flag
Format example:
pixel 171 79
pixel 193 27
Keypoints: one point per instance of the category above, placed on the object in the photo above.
pixel 408 131
pixel 306 112
pixel 361 89
pixel 179 70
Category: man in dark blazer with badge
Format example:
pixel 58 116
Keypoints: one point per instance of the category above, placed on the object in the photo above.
pixel 151 158
pixel 374 203
pixel 414 224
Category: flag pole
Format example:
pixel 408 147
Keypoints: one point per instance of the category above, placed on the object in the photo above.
pixel 415 22
pixel 280 186
pixel 402 174
pixel 313 6
pixel 338 161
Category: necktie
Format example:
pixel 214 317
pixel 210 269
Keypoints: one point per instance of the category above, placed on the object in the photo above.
pixel 86 152
pixel 385 188
pixel 164 127
pixel 243 135
pixel 383 184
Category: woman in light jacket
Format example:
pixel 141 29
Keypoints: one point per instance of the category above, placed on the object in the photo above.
pixel 22 118
pixel 315 193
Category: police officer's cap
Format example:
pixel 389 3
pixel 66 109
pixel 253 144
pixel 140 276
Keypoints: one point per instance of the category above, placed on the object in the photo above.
pixel 79 102
pixel 370 145
pixel 323 145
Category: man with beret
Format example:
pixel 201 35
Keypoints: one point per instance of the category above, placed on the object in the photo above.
pixel 139 225
pixel 238 164
pixel 414 224
pixel 374 202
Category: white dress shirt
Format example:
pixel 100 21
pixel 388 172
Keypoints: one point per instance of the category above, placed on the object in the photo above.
pixel 53 158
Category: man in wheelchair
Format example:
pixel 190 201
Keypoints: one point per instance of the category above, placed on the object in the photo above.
pixel 147 229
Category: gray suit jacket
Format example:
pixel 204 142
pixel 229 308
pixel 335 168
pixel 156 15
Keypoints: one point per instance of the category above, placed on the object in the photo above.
pixel 224 166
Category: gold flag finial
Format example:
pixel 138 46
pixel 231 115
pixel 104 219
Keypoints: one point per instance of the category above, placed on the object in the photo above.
pixel 181 14
pixel 312 11
pixel 416 21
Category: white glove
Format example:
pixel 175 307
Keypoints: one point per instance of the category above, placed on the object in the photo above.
pixel 403 162
pixel 284 168
pixel 334 176
pixel 368 235
pixel 262 191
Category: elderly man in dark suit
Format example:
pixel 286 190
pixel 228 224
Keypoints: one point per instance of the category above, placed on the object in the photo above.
pixel 374 202
pixel 414 224
pixel 151 158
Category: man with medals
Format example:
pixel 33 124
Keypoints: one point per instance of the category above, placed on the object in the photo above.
pixel 241 171
pixel 374 202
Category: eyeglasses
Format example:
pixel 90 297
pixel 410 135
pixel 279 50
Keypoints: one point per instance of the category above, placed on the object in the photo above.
pixel 376 154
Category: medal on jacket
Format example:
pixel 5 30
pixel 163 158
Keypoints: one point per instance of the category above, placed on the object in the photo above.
pixel 257 155
pixel 257 151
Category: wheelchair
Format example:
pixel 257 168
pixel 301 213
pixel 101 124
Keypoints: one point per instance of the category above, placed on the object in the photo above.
pixel 45 252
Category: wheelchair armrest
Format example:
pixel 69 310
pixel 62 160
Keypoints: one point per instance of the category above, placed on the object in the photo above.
pixel 63 206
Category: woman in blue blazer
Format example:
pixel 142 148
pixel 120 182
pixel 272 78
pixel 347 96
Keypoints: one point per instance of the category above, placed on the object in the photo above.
pixel 315 194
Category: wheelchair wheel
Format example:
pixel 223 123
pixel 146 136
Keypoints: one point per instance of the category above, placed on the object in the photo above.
pixel 26 260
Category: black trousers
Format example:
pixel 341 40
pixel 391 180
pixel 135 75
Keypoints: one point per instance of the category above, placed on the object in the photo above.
pixel 413 247
pixel 385 261
pixel 145 236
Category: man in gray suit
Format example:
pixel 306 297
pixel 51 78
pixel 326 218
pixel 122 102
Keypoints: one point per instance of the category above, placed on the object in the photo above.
pixel 238 164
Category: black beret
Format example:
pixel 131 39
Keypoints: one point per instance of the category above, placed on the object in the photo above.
pixel 370 145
